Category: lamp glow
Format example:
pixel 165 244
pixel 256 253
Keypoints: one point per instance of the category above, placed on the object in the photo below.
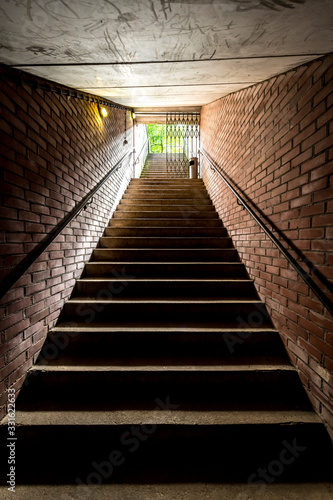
pixel 133 115
pixel 104 112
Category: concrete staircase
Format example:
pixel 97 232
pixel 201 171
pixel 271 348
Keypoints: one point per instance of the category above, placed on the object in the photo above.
pixel 156 167
pixel 165 368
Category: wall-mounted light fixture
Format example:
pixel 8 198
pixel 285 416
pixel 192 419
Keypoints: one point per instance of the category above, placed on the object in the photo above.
pixel 133 115
pixel 102 111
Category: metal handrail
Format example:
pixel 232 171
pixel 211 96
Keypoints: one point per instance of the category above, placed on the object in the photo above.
pixel 24 265
pixel 303 274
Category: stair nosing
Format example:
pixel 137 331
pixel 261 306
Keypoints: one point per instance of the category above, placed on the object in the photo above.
pixel 165 329
pixel 166 249
pixel 168 237
pixel 113 301
pixel 167 417
pixel 159 227
pixel 166 280
pixel 47 368
pixel 122 262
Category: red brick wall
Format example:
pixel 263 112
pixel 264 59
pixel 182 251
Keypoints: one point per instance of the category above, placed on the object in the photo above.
pixel 275 142
pixel 53 150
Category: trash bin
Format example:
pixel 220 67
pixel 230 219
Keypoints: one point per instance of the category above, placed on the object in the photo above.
pixel 193 168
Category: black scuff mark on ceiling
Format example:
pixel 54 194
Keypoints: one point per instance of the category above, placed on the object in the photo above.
pixel 6 15
pixel 152 7
pixel 166 6
pixel 69 8
pixel 38 50
pixel 29 7
pixel 273 5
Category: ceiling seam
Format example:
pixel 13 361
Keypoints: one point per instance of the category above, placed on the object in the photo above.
pixel 132 63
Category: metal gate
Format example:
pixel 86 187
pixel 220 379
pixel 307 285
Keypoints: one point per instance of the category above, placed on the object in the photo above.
pixel 182 142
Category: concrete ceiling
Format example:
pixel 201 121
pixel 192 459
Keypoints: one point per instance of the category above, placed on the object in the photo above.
pixel 173 54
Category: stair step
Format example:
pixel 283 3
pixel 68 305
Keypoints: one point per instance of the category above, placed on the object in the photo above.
pixel 163 222
pixel 160 203
pixel 165 288
pixel 186 363
pixel 142 453
pixel 172 182
pixel 88 344
pixel 159 197
pixel 216 313
pixel 172 214
pixel 176 192
pixel 175 232
pixel 164 242
pixel 139 417
pixel 179 185
pixel 172 490
pixel 161 171
pixel 183 209
pixel 254 387
pixel 163 254
pixel 166 269
pixel 162 176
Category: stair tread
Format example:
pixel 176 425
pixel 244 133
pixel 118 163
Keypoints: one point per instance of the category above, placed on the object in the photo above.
pixel 81 300
pixel 177 205
pixel 84 327
pixel 178 326
pixel 166 280
pixel 168 250
pixel 176 490
pixel 191 249
pixel 162 238
pixel 173 219
pixel 169 368
pixel 181 263
pixel 174 227
pixel 163 222
pixel 124 361
pixel 158 417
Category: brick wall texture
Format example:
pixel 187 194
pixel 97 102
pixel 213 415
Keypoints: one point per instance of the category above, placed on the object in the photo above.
pixel 53 151
pixel 274 141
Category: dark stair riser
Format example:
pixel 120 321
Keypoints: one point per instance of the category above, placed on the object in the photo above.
pixel 161 195
pixel 190 389
pixel 230 347
pixel 164 255
pixel 170 270
pixel 167 182
pixel 142 206
pixel 166 289
pixel 178 191
pixel 164 232
pixel 237 314
pixel 160 203
pixel 180 213
pixel 163 222
pixel 173 454
pixel 164 242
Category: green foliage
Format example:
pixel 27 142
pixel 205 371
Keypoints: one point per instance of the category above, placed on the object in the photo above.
pixel 176 141
pixel 156 135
